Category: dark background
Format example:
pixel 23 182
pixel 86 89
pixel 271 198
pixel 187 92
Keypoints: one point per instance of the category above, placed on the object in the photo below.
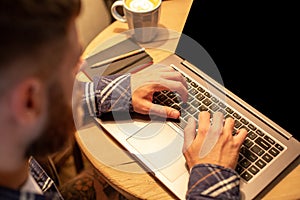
pixel 254 45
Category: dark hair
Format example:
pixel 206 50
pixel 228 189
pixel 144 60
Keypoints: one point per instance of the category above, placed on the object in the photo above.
pixel 28 25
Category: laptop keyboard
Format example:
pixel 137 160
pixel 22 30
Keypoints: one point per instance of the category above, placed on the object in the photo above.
pixel 258 149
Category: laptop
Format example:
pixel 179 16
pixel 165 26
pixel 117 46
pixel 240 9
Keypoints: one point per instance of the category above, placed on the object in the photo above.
pixel 236 61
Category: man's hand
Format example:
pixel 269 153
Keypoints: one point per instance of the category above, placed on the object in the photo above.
pixel 152 79
pixel 226 150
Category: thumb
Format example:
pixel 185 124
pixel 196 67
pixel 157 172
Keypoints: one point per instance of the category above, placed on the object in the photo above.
pixel 164 111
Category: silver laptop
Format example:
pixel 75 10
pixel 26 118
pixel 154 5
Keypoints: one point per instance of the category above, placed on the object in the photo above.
pixel 238 70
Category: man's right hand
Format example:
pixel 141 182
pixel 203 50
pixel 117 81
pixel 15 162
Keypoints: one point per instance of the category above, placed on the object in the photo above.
pixel 225 152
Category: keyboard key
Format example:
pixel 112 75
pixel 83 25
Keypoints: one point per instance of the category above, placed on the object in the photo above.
pixel 237 124
pixel 259 132
pixel 162 98
pixel 229 110
pixel 248 154
pixel 251 135
pixel 252 127
pixel 190 98
pixel 191 110
pixel 244 121
pixel 248 143
pixel 200 97
pixel 196 115
pixel 176 107
pixel 240 158
pixel 234 132
pixel 254 170
pixel 207 102
pixel 236 115
pixel 193 92
pixel 203 108
pixel 270 140
pixel 261 164
pixel 214 99
pixel 188 79
pixel 246 175
pixel 214 107
pixel 169 102
pixel 245 163
pixel 184 105
pixel 196 103
pixel 155 101
pixel 267 157
pixel 262 143
pixel 195 85
pixel 222 111
pixel 245 127
pixel 200 89
pixel 207 94
pixel 222 105
pixel 239 169
pixel 182 123
pixel 274 152
pixel 226 116
pixel 279 147
pixel 256 149
pixel 183 113
pixel 171 95
pixel 177 99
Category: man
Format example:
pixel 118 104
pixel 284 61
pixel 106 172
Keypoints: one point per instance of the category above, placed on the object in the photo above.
pixel 40 56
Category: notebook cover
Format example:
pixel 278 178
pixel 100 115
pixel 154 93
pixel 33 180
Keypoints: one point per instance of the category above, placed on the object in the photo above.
pixel 124 65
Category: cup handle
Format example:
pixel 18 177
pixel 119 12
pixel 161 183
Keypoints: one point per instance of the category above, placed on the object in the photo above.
pixel 115 13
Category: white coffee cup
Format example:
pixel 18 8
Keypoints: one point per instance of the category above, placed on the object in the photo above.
pixel 142 16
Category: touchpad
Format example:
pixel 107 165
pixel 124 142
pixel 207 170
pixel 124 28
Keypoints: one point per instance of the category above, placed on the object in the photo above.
pixel 160 145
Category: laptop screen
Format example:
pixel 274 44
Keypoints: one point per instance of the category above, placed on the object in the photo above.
pixel 252 45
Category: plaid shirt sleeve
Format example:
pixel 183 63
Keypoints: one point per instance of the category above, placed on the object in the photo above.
pixel 209 181
pixel 107 93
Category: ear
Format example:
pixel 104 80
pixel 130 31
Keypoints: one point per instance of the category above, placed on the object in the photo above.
pixel 28 101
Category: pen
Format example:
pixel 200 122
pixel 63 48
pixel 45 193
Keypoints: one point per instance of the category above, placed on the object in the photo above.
pixel 116 58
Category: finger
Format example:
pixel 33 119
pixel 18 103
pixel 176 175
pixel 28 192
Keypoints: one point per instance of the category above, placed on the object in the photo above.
pixel 189 134
pixel 228 126
pixel 163 67
pixel 217 123
pixel 204 123
pixel 164 111
pixel 176 76
pixel 176 86
pixel 241 136
pixel 159 68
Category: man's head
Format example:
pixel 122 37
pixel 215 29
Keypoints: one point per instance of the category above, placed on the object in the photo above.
pixel 39 59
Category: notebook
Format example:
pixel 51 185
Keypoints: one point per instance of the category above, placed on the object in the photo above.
pixel 116 55
pixel 241 65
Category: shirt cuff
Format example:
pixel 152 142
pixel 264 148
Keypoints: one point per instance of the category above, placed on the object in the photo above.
pixel 208 181
pixel 108 94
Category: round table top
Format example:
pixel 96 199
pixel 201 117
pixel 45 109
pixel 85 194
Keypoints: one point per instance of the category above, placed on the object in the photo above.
pixel 116 166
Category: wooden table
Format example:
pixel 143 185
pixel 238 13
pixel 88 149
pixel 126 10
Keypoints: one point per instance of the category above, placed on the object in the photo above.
pixel 116 166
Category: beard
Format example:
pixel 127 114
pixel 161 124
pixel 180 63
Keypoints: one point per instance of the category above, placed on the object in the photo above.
pixel 59 129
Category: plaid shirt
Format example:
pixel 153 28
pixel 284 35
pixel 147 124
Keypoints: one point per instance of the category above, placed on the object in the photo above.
pixel 46 184
pixel 108 93
pixel 113 93
pixel 207 181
